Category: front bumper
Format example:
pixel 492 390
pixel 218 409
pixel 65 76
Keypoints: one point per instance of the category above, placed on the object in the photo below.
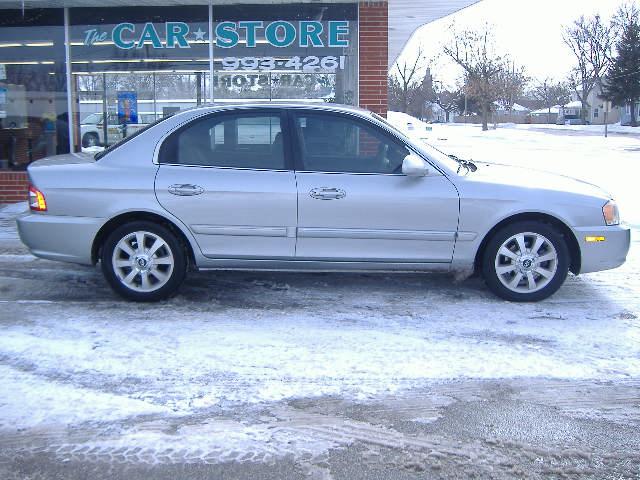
pixel 58 237
pixel 603 255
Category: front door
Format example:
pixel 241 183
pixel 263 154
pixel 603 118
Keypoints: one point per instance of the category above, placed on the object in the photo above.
pixel 354 203
pixel 226 177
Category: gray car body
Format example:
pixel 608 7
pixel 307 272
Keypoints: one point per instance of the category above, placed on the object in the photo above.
pixel 263 219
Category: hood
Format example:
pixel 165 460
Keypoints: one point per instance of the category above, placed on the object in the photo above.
pixel 65 159
pixel 535 179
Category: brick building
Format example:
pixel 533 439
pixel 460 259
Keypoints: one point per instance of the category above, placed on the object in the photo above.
pixel 75 76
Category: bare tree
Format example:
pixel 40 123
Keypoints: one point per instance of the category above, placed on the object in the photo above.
pixel 447 99
pixel 591 41
pixel 511 82
pixel 406 78
pixel 474 51
pixel 551 93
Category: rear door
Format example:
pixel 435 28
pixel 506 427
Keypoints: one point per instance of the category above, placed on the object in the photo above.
pixel 228 178
pixel 354 203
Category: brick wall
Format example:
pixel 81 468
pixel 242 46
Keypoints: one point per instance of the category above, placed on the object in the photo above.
pixel 374 42
pixel 13 186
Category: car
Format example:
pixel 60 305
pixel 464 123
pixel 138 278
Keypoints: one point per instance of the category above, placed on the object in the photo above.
pixel 311 187
pixel 92 131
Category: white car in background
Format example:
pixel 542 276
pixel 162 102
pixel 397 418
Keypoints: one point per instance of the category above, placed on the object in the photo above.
pixel 92 131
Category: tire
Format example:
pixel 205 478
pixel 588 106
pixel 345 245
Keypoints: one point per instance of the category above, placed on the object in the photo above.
pixel 90 140
pixel 144 275
pixel 531 276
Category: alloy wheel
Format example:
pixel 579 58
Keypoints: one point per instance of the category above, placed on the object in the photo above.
pixel 143 261
pixel 526 262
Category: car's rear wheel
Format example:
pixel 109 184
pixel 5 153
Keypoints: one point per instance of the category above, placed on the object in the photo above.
pixel 90 140
pixel 526 261
pixel 143 261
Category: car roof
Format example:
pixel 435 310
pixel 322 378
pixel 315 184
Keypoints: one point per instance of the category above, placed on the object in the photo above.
pixel 329 107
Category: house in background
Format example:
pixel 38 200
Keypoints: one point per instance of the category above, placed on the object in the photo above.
pixel 516 114
pixel 545 115
pixel 625 113
pixel 434 113
pixel 571 113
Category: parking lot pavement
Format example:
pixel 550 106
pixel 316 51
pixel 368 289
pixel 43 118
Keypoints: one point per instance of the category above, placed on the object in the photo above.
pixel 286 375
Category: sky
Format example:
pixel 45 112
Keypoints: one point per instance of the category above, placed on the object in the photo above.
pixel 529 31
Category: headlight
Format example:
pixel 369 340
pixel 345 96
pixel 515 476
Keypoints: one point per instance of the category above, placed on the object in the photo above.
pixel 610 213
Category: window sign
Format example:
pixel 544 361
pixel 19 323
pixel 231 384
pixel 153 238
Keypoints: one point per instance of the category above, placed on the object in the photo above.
pixel 127 108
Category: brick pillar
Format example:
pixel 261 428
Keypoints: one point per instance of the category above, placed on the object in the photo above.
pixel 13 186
pixel 374 44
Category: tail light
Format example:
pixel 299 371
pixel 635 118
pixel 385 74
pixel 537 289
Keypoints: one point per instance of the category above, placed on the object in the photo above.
pixel 37 203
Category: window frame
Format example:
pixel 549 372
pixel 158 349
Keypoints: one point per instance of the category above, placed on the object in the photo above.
pixel 296 146
pixel 266 111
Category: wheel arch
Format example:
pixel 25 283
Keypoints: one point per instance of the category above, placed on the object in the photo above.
pixel 562 227
pixel 133 216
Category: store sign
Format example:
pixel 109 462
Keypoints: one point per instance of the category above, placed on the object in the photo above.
pixel 280 33
pixel 263 80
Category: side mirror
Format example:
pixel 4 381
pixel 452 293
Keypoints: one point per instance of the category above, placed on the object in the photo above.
pixel 414 166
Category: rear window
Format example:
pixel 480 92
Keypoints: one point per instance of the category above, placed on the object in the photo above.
pixel 113 147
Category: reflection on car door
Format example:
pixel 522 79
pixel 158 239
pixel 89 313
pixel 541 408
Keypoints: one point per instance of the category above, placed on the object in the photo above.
pixel 226 176
pixel 354 204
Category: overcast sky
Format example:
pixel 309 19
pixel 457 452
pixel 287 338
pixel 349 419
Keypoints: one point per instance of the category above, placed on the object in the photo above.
pixel 530 31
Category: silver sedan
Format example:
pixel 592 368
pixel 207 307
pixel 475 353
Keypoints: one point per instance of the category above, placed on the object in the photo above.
pixel 294 186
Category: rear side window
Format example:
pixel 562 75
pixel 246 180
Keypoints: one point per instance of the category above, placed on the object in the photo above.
pixel 242 140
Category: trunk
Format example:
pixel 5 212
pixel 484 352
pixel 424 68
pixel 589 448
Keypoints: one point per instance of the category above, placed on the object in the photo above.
pixel 446 116
pixel 405 102
pixel 485 116
pixel 634 119
pixel 583 112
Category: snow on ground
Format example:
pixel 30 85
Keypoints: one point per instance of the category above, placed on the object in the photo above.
pixel 8 213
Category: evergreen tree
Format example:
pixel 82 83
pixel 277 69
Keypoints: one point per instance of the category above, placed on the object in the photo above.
pixel 623 79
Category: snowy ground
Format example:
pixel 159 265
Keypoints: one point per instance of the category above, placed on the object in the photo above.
pixel 283 375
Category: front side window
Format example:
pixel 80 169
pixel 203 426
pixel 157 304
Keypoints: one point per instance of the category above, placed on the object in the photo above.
pixel 335 143
pixel 245 140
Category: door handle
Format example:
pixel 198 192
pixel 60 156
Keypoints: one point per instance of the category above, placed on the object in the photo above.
pixel 326 193
pixel 185 189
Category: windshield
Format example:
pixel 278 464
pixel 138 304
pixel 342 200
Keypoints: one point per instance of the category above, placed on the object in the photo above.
pixel 425 148
pixel 93 119
pixel 112 147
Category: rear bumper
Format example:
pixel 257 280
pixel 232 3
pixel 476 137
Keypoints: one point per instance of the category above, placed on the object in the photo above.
pixel 603 255
pixel 62 238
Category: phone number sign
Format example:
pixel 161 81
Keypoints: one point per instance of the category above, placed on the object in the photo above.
pixel 310 63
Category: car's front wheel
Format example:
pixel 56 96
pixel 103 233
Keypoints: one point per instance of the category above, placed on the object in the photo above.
pixel 526 261
pixel 143 261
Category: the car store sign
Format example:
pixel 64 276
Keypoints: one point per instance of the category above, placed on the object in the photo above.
pixel 280 33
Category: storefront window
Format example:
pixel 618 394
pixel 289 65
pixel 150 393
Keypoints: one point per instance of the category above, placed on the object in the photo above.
pixel 132 65
pixel 33 98
pixel 286 52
